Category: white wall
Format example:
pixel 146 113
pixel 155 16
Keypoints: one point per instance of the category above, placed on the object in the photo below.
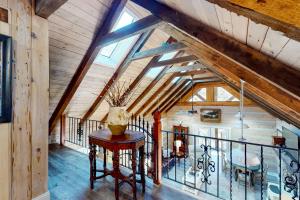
pixel 262 125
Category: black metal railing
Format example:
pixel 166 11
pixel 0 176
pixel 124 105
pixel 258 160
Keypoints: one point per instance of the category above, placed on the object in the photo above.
pixel 230 169
pixel 77 133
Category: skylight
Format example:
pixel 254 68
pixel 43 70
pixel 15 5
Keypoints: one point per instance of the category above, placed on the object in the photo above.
pixel 175 79
pixel 153 72
pixel 168 56
pixel 113 54
pixel 124 20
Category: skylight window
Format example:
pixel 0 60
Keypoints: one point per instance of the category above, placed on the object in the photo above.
pixel 153 72
pixel 175 80
pixel 168 56
pixel 124 20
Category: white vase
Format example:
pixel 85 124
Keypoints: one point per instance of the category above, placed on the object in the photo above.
pixel 117 120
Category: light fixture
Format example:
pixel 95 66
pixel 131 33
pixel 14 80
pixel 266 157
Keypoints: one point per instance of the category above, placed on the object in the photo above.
pixel 177 144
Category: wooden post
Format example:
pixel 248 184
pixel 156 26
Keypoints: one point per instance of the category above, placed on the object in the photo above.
pixel 157 137
pixel 62 129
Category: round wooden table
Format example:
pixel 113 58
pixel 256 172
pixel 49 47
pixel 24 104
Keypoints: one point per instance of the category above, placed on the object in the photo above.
pixel 131 140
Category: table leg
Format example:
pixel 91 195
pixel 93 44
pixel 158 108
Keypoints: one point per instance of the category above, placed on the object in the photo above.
pixel 116 172
pixel 133 160
pixel 142 166
pixel 104 162
pixel 92 158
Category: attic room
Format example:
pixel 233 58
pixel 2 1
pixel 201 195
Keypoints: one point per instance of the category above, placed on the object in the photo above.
pixel 156 99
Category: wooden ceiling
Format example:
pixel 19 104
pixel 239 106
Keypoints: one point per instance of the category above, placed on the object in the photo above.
pixel 73 26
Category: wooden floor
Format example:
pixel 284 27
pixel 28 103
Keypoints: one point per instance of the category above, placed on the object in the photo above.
pixel 69 180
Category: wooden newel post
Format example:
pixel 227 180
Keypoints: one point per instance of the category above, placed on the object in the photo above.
pixel 62 129
pixel 157 137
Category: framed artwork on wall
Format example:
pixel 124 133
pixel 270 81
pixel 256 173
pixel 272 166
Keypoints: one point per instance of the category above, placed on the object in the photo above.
pixel 5 79
pixel 210 115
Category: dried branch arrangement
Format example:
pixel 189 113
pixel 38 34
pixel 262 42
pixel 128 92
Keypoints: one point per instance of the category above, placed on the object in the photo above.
pixel 118 95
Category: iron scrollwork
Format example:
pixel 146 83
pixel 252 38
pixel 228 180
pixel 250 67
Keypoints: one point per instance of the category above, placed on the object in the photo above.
pixel 206 164
pixel 79 133
pixel 291 179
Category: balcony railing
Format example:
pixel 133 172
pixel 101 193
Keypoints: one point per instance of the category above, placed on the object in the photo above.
pixel 230 169
pixel 77 134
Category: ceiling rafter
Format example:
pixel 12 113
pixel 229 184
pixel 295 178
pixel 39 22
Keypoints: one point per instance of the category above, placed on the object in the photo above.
pixel 152 84
pixel 173 61
pixel 117 74
pixel 44 8
pixel 264 12
pixel 165 94
pixel 177 96
pixel 167 48
pixel 233 61
pixel 155 94
pixel 89 57
pixel 141 75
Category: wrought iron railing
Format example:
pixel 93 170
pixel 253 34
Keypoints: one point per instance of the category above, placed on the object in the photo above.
pixel 230 169
pixel 77 133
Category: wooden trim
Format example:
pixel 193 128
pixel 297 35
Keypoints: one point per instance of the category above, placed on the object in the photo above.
pixel 141 26
pixel 87 61
pixel 279 89
pixel 176 61
pixel 159 51
pixel 269 13
pixel 210 93
pixel 118 73
pixel 44 8
pixel 170 89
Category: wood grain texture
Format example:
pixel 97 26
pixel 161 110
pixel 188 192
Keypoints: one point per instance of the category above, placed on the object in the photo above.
pixel 86 61
pixel 22 92
pixel 40 105
pixel 283 16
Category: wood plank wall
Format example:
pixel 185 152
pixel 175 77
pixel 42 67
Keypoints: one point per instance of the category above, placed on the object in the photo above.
pixel 24 149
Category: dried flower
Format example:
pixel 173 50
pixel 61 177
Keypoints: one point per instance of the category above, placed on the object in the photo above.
pixel 117 94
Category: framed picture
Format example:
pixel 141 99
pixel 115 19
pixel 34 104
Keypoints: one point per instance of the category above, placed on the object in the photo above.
pixel 210 115
pixel 5 79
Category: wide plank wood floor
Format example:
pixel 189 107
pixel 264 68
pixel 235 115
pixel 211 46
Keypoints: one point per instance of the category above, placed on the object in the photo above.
pixel 69 180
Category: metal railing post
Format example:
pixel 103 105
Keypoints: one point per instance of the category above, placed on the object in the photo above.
pixel 157 167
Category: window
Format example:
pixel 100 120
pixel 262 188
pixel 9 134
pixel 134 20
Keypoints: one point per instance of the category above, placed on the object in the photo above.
pixel 124 20
pixel 200 96
pixel 153 72
pixel 224 95
pixel 175 79
pixel 113 54
pixel 5 79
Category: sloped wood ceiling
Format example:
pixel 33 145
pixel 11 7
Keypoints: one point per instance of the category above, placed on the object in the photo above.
pixel 258 36
pixel 71 29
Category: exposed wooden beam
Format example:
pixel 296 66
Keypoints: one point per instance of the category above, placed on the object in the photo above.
pixel 118 73
pixel 176 92
pixel 89 57
pixel 280 15
pixel 173 61
pixel 163 96
pixel 282 75
pixel 154 95
pixel 204 73
pixel 214 103
pixel 151 85
pixel 140 76
pixel 194 67
pixel 159 51
pixel 44 8
pixel 141 26
pixel 177 97
pixel 274 83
